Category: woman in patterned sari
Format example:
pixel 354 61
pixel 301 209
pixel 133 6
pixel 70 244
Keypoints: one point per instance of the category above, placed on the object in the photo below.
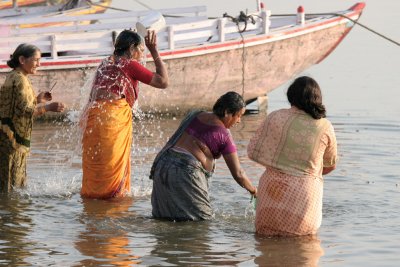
pixel 18 105
pixel 297 146
pixel 107 120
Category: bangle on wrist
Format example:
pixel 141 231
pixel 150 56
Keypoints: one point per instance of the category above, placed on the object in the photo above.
pixel 157 58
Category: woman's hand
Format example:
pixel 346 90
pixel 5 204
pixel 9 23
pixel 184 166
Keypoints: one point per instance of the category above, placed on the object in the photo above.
pixel 160 79
pixel 43 97
pixel 55 107
pixel 151 41
pixel 254 192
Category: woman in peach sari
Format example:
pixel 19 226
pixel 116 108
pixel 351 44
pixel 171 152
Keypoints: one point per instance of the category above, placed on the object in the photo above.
pixel 107 120
pixel 297 146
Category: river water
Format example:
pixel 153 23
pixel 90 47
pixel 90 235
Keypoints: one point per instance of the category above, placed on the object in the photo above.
pixel 48 224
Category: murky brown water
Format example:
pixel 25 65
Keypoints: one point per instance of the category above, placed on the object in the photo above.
pixel 49 224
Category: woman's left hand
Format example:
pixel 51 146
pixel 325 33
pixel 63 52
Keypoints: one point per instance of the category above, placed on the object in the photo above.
pixel 55 107
pixel 43 97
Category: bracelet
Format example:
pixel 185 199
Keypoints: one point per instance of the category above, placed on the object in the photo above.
pixel 157 58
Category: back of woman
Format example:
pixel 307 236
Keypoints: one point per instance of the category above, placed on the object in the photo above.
pixel 297 146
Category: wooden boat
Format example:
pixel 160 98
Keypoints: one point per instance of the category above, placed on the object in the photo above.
pixel 204 57
pixel 18 17
pixel 4 4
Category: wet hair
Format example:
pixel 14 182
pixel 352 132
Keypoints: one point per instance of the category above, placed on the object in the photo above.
pixel 230 103
pixel 25 50
pixel 124 40
pixel 305 94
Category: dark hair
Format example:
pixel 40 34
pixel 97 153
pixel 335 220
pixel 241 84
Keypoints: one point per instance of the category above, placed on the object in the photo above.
pixel 25 50
pixel 230 102
pixel 124 40
pixel 305 94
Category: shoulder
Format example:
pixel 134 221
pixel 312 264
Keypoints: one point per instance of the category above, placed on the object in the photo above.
pixel 132 64
pixel 282 111
pixel 137 70
pixel 326 127
pixel 325 122
pixel 279 114
pixel 16 78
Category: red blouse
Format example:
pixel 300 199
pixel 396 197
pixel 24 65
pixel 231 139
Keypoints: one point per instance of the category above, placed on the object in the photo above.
pixel 120 77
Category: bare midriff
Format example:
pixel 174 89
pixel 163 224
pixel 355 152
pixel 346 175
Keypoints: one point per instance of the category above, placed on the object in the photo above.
pixel 198 149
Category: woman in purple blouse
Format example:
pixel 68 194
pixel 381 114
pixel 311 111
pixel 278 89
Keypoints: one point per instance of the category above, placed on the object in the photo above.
pixel 183 167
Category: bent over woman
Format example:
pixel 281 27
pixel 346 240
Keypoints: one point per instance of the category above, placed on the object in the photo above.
pixel 297 146
pixel 182 169
pixel 107 121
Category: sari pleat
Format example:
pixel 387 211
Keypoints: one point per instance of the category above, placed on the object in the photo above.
pixel 106 142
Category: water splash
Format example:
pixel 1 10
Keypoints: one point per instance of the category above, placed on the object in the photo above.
pixel 250 210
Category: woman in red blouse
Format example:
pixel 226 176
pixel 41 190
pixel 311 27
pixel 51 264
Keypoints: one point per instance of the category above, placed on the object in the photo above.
pixel 107 121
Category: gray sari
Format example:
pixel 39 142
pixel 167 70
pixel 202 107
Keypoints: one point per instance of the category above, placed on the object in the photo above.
pixel 180 183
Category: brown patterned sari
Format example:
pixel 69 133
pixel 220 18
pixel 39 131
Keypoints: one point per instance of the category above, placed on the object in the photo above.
pixel 17 105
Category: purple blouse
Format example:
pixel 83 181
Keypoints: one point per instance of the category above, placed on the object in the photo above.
pixel 217 138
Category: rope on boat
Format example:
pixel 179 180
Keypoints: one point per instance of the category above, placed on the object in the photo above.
pixel 346 17
pixel 242 18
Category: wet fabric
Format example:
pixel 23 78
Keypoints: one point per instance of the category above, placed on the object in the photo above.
pixel 294 148
pixel 17 105
pixel 106 144
pixel 180 188
pixel 12 165
pixel 120 76
pixel 180 183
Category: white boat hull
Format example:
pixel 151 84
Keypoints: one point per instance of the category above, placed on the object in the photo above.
pixel 200 74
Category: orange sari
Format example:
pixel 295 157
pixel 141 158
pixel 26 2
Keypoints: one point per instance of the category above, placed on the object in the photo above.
pixel 106 150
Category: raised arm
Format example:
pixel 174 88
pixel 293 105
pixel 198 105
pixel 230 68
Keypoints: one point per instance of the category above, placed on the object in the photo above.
pixel 160 78
pixel 232 161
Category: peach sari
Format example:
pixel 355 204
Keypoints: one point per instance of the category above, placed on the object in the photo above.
pixel 294 148
pixel 106 150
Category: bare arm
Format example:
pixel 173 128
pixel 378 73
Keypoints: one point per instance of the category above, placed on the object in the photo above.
pixel 232 160
pixel 160 78
pixel 54 106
